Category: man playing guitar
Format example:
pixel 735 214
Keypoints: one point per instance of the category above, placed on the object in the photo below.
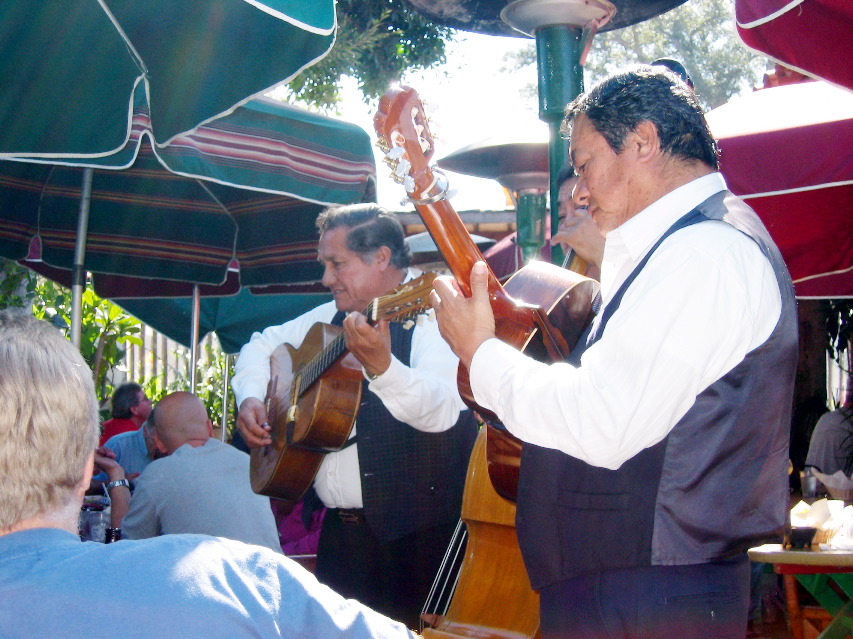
pixel 395 495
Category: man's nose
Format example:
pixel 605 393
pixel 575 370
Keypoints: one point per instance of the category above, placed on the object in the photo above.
pixel 580 194
pixel 328 277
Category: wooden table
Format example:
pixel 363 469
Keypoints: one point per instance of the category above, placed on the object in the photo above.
pixel 825 574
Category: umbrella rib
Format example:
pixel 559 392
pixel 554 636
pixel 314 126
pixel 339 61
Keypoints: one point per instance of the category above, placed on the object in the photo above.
pixel 225 210
pixel 770 17
pixel 138 58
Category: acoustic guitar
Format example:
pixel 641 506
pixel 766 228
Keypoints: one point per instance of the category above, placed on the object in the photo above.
pixel 314 393
pixel 541 310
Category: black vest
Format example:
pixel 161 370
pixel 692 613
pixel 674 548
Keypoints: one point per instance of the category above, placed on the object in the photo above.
pixel 715 486
pixel 409 479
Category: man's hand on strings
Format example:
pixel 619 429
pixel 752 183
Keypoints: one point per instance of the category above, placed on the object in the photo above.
pixel 252 422
pixel 370 344
pixel 465 323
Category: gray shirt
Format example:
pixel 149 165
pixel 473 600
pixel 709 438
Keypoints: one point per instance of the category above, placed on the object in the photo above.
pixel 832 441
pixel 202 490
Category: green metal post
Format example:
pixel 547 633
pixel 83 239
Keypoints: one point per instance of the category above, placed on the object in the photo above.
pixel 530 219
pixel 558 51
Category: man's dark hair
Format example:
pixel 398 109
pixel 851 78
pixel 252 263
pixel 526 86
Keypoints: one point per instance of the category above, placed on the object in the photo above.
pixel 125 397
pixel 617 104
pixel 371 227
pixel 564 174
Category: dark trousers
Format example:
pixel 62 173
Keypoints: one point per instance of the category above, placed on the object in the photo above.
pixel 393 578
pixel 702 601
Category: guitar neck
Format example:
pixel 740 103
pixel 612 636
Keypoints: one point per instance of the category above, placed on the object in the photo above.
pixel 461 253
pixel 321 362
pixel 404 303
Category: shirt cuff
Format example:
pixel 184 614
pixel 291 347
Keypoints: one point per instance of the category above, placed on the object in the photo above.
pixel 387 379
pixel 488 367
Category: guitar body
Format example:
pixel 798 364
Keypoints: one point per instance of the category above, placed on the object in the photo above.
pixel 541 310
pixel 565 298
pixel 314 394
pixel 321 421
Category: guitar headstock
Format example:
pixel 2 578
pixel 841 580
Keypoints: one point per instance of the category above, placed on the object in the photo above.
pixel 404 135
pixel 405 302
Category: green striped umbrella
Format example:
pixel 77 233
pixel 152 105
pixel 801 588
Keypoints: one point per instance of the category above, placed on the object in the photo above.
pixel 77 73
pixel 71 68
pixel 239 193
pixel 242 190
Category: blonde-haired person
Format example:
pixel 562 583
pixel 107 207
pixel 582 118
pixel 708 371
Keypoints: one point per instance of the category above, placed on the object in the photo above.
pixel 182 585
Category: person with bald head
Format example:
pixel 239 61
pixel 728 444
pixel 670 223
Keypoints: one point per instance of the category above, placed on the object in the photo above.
pixel 202 484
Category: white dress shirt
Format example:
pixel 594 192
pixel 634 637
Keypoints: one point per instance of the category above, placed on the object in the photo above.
pixel 422 395
pixel 706 298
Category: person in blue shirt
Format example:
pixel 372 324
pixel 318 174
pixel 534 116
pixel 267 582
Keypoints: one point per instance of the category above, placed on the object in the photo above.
pixel 52 584
pixel 133 450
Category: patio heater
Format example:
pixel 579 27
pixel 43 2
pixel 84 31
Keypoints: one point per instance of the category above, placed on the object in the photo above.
pixel 563 30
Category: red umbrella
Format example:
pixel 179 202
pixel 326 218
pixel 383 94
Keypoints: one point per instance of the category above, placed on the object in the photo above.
pixel 814 37
pixel 788 151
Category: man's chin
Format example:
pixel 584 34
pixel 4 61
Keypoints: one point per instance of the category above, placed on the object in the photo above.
pixel 604 222
pixel 346 306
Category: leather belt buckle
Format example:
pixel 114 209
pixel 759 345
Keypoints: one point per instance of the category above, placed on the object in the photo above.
pixel 350 516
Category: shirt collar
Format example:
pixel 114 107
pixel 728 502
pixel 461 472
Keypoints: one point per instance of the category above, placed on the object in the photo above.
pixel 643 230
pixel 628 243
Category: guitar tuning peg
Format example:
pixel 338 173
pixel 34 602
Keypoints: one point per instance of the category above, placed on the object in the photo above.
pixel 396 153
pixel 408 184
pixel 383 145
pixel 399 179
pixel 403 167
pixel 390 162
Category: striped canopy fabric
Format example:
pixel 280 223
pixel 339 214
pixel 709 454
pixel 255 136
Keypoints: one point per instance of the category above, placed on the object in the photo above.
pixel 72 68
pixel 241 192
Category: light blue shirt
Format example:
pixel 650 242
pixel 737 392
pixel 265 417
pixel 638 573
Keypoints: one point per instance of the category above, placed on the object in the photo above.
pixel 131 452
pixel 54 585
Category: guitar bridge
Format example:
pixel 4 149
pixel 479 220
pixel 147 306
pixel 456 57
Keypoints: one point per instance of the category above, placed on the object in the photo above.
pixel 293 414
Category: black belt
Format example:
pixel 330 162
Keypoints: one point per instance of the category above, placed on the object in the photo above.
pixel 352 516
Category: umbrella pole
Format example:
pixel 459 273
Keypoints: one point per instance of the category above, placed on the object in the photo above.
pixel 78 273
pixel 194 337
pixel 226 374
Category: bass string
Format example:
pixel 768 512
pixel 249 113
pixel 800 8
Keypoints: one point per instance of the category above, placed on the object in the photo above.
pixel 445 582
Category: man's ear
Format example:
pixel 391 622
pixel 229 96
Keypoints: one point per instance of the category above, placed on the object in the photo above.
pixel 645 141
pixel 159 444
pixel 88 471
pixel 209 428
pixel 382 256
